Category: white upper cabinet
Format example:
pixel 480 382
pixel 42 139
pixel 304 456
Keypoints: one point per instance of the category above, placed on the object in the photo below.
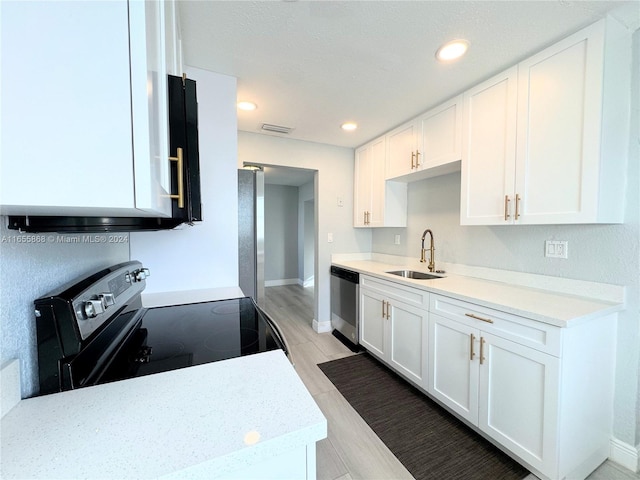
pixel 84 109
pixel 377 203
pixel 566 161
pixel 402 148
pixel 428 145
pixel 489 150
pixel 440 135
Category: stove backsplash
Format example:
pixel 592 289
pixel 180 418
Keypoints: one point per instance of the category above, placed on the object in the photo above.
pixel 31 265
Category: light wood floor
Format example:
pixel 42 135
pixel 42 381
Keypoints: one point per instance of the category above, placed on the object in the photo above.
pixel 352 450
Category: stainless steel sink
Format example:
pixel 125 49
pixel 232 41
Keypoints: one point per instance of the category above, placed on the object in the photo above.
pixel 413 274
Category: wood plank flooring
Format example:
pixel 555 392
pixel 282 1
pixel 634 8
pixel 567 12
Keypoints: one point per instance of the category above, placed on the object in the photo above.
pixel 352 450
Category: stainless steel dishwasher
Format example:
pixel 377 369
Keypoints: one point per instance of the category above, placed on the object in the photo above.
pixel 344 306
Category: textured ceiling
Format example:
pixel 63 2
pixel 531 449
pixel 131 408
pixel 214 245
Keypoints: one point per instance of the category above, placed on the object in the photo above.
pixel 312 65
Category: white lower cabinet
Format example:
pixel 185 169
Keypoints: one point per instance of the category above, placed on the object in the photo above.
pixel 506 389
pixel 393 327
pixel 542 393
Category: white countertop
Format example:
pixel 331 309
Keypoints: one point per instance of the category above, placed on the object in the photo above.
pixel 541 305
pixel 193 420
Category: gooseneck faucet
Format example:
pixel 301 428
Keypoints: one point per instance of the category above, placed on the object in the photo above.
pixel 432 265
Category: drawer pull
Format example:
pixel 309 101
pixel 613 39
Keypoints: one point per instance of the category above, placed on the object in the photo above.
pixel 482 359
pixel 488 320
pixel 472 354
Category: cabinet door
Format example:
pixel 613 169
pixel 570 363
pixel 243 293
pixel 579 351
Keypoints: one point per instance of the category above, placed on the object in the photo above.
pixel 149 99
pixel 519 400
pixel 453 365
pixel 408 341
pixel 378 215
pixel 362 187
pixel 373 322
pixel 488 151
pixel 559 112
pixel 440 135
pixel 173 39
pixel 66 109
pixel 401 157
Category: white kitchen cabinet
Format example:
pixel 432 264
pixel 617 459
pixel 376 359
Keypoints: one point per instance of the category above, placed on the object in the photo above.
pixel 440 135
pixel 489 150
pixel 377 203
pixel 544 141
pixel 173 38
pixel 402 147
pixel 506 389
pixel 393 326
pixel 525 384
pixel 84 108
pixel 427 146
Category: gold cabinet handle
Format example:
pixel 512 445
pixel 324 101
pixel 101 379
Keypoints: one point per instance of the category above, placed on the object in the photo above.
pixel 417 158
pixel 413 155
pixel 506 207
pixel 517 206
pixel 472 353
pixel 364 218
pixel 488 320
pixel 388 316
pixel 368 217
pixel 383 302
pixel 180 196
pixel 482 359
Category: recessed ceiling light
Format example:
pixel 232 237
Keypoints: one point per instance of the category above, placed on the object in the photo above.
pixel 247 106
pixel 349 126
pixel 452 50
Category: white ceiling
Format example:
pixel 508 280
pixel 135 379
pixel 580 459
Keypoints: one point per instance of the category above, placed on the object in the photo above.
pixel 313 65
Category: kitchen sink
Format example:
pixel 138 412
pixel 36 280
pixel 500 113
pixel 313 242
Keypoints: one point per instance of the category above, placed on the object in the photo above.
pixel 413 274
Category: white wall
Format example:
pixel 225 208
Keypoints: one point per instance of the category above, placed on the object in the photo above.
pixel 205 255
pixel 280 234
pixel 334 179
pixel 31 270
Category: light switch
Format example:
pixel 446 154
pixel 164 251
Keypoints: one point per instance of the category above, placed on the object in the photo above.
pixel 330 237
pixel 396 240
pixel 340 202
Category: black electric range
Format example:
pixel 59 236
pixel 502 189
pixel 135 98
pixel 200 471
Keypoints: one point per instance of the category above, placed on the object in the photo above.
pixel 96 331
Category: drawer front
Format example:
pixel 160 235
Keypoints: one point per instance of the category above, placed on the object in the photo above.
pixel 541 336
pixel 408 295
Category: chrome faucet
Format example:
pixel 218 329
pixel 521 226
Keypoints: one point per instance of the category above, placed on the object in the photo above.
pixel 432 265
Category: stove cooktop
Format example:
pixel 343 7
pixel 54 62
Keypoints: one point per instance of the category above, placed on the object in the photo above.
pixel 181 336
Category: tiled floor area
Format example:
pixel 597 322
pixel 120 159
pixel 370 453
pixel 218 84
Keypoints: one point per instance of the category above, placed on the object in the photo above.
pixel 352 450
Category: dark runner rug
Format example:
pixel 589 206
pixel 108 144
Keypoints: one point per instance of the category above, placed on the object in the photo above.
pixel 430 442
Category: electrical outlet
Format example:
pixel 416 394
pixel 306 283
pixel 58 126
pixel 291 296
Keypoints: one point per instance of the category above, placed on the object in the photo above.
pixel 396 240
pixel 340 202
pixel 556 249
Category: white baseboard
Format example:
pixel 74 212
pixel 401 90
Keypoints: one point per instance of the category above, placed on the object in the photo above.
pixel 284 281
pixel 625 455
pixel 321 327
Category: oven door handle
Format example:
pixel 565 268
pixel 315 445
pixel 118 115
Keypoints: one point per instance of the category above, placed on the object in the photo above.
pixel 278 332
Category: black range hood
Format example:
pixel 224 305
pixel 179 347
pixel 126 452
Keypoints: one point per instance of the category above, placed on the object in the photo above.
pixel 183 133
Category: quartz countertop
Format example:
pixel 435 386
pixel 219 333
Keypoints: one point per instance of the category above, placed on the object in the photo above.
pixel 553 308
pixel 211 419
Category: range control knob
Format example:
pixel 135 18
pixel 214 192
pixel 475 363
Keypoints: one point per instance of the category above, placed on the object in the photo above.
pixel 141 274
pixel 93 308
